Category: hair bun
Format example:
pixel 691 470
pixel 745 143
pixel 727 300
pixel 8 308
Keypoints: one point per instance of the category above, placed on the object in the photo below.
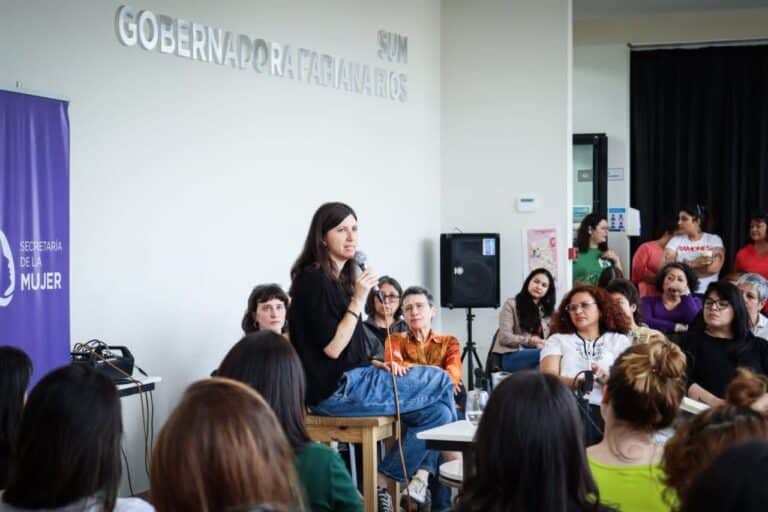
pixel 669 361
pixel 647 384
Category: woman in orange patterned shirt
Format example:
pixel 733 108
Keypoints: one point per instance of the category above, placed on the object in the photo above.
pixel 421 346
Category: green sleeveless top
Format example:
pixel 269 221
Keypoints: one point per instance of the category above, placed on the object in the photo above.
pixel 631 488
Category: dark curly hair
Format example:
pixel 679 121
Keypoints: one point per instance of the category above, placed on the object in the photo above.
pixel 690 275
pixel 612 318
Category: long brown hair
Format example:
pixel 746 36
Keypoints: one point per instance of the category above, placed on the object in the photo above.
pixel 269 364
pixel 611 316
pixel 697 442
pixel 315 253
pixel 222 448
pixel 540 462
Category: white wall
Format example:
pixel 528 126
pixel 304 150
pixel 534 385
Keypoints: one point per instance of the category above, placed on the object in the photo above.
pixel 601 105
pixel 191 182
pixel 506 130
pixel 675 27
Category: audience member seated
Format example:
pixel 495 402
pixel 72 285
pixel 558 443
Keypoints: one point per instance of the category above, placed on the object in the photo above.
pixel 524 323
pixel 67 453
pixel 642 395
pixel 15 372
pixel 383 315
pixel 703 252
pixel 749 389
pixel 529 453
pixel 735 482
pixel 625 296
pixel 675 309
pixel 594 255
pixel 324 321
pixel 422 346
pixel 649 258
pixel 267 308
pixel 699 440
pixel 590 331
pixel 271 367
pixel 753 257
pixel 608 275
pixel 732 277
pixel 754 289
pixel 222 449
pixel 722 345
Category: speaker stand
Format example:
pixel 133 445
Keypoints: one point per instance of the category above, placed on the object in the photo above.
pixel 471 351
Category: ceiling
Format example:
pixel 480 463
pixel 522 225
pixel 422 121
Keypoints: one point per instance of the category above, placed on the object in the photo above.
pixel 583 9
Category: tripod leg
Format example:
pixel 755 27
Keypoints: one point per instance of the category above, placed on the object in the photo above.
pixel 477 358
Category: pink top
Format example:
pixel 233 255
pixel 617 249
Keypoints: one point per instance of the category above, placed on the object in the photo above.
pixel 749 260
pixel 647 261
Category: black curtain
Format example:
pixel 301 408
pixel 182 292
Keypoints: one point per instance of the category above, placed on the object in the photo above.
pixel 699 135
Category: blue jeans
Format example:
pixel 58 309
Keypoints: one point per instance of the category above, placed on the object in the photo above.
pixel 523 359
pixel 426 401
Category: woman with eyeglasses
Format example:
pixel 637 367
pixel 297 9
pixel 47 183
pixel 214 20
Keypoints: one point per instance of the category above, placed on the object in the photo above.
pixel 590 331
pixel 384 316
pixel 722 345
pixel 703 252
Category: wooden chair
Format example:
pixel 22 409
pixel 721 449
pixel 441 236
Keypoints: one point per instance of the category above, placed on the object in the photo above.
pixel 367 431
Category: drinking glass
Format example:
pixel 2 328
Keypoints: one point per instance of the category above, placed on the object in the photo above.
pixel 476 400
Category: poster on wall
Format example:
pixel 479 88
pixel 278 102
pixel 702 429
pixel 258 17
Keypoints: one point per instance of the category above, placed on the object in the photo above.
pixel 34 228
pixel 540 246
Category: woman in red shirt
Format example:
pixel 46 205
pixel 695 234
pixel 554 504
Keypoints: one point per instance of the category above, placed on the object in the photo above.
pixel 649 258
pixel 753 257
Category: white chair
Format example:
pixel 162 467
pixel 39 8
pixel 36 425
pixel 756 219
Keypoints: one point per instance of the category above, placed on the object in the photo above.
pixel 452 474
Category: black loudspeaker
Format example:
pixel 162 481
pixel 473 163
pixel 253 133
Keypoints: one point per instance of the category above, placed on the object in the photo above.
pixel 469 270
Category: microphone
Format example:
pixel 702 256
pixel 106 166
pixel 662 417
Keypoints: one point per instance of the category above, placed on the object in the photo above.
pixel 361 259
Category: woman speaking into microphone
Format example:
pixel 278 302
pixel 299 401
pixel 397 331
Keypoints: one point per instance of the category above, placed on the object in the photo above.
pixel 328 297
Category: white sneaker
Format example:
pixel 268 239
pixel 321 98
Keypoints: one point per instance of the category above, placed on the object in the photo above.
pixel 417 488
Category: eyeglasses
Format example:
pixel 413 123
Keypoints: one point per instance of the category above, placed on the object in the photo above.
pixel 575 307
pixel 721 304
pixel 391 297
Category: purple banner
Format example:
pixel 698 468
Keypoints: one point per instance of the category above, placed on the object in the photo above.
pixel 34 228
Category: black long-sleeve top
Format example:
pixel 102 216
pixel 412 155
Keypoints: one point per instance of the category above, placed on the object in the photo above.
pixel 712 362
pixel 318 303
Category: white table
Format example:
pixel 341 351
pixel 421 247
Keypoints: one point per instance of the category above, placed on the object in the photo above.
pixel 132 388
pixel 693 406
pixel 458 436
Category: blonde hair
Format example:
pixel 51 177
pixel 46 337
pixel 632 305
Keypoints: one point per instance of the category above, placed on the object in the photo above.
pixel 222 448
pixel 646 384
